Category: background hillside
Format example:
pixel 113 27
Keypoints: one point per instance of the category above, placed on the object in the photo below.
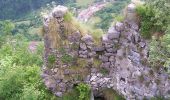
pixel 13 9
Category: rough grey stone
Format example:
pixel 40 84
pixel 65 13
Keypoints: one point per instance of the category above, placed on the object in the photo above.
pixel 104 58
pixel 106 64
pixel 119 26
pixel 82 56
pixel 110 50
pixel 105 38
pixel 83 52
pixel 110 45
pixel 108 54
pixel 131 8
pixel 87 39
pixel 83 46
pixel 75 37
pixel 98 48
pixel 142 44
pixel 59 94
pixel 135 26
pixel 59 11
pixel 134 56
pixel 124 66
pixel 113 34
pixel 93 78
pixel 112 59
pixel 91 54
pixel 66 72
pixel 93 70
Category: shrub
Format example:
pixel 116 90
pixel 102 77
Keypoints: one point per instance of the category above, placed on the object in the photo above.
pixel 51 59
pixel 119 18
pixel 67 58
pixel 20 73
pixel 147 23
pixel 161 11
pixel 104 71
pixel 21 82
pixel 68 17
pixel 160 51
pixel 154 17
pixel 84 91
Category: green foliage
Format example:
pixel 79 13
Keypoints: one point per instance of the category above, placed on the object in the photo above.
pixel 51 59
pixel 84 91
pixel 72 95
pixel 147 23
pixel 104 71
pixel 119 18
pixel 6 27
pixel 158 98
pixel 16 9
pixel 21 82
pixel 159 22
pixel 20 70
pixel 110 94
pixel 68 17
pixel 106 14
pixel 155 17
pixel 67 58
pixel 161 11
pixel 160 51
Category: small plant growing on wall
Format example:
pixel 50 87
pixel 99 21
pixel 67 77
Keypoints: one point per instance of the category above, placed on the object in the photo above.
pixel 62 50
pixel 104 71
pixel 51 60
pixel 67 58
pixel 84 91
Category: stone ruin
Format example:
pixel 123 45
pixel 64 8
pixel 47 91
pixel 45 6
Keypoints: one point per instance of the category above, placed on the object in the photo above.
pixel 118 62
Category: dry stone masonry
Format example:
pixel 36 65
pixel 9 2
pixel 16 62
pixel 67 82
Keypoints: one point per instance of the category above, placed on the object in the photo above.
pixel 119 63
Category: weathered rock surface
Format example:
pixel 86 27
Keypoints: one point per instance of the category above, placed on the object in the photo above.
pixel 119 62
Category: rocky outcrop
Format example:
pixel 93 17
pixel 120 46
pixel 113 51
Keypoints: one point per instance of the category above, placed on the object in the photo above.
pixel 119 63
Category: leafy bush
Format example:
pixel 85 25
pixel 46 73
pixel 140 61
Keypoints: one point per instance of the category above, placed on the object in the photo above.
pixel 67 58
pixel 155 17
pixel 147 23
pixel 20 53
pixel 51 59
pixel 161 11
pixel 160 51
pixel 20 72
pixel 84 91
pixel 104 71
pixel 106 14
pixel 68 17
pixel 72 95
pixel 21 82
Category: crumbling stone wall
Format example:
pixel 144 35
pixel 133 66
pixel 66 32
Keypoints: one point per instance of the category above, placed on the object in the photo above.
pixel 119 63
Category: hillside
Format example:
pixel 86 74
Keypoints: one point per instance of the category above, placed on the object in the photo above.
pixel 85 50
pixel 18 8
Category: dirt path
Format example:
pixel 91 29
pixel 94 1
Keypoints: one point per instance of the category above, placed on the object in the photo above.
pixel 85 14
